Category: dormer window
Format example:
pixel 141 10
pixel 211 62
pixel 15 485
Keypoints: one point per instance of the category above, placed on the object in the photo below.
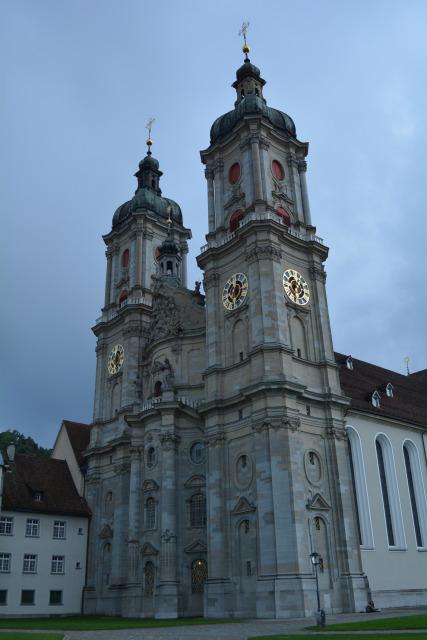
pixel 375 399
pixel 389 390
pixel 38 496
pixel 349 363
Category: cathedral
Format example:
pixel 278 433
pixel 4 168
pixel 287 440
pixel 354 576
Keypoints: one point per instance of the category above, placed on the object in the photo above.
pixel 219 452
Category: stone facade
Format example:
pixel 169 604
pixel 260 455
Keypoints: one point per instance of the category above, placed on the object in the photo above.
pixel 218 455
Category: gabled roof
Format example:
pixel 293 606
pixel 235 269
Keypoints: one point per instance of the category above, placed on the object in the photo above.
pixel 28 475
pixel 79 436
pixel 409 401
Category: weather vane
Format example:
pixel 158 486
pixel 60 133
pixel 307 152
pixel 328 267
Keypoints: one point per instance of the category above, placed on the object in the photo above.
pixel 407 360
pixel 148 126
pixel 243 31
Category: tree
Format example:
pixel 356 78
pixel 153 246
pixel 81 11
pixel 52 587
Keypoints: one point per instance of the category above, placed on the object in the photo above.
pixel 22 443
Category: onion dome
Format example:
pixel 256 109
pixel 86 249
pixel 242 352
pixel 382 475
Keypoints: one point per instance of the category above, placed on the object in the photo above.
pixel 249 86
pixel 148 195
pixel 169 247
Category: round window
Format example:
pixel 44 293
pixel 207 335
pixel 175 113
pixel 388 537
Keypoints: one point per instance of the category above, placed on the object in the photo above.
pixel 198 453
pixel 244 470
pixel 278 170
pixel 234 173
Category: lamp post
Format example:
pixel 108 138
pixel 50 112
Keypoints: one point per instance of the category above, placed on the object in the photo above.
pixel 316 560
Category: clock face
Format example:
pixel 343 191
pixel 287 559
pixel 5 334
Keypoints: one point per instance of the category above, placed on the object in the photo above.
pixel 116 358
pixel 295 286
pixel 235 291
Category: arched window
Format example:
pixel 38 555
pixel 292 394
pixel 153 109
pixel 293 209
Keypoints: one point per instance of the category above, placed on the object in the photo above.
pixel 234 173
pixel 149 578
pixel 277 169
pixel 360 491
pixel 285 215
pixel 236 219
pixel 123 296
pixel 199 574
pixel 416 492
pixel 198 510
pixel 298 337
pixel 390 492
pixel 125 258
pixel 109 504
pixel 158 388
pixel 150 513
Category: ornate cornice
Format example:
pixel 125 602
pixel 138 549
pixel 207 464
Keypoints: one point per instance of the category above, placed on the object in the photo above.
pixel 210 279
pixel 169 441
pixel 318 273
pixel 216 439
pixel 263 252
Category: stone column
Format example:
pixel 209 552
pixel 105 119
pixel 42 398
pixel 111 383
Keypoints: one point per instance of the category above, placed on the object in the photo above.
pixel 134 511
pixel 256 168
pixel 109 256
pixel 295 186
pixel 115 273
pixel 184 253
pixel 218 585
pixel 147 255
pixel 211 199
pixel 267 565
pixel 167 590
pixel 121 521
pixel 219 211
pixel 138 258
pixel 302 170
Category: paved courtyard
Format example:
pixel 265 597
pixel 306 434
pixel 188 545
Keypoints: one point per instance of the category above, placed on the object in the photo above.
pixel 234 631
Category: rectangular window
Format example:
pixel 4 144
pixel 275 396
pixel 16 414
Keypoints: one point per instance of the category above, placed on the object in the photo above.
pixel 5 562
pixel 55 597
pixel 32 529
pixel 3 596
pixel 27 596
pixel 30 563
pixel 6 526
pixel 58 563
pixel 59 530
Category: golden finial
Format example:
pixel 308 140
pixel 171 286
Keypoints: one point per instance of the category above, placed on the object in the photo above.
pixel 169 220
pixel 149 141
pixel 243 30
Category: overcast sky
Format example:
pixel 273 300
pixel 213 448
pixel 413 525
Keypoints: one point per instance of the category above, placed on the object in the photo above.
pixel 79 81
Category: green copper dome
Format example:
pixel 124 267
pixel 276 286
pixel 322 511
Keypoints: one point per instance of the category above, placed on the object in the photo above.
pixel 148 195
pixel 248 85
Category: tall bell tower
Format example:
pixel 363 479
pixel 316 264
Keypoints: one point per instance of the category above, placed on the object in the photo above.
pixel 278 474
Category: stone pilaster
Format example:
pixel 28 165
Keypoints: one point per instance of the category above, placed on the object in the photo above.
pixel 167 605
pixel 256 169
pixel 211 201
pixel 219 192
pixel 302 170
pixel 218 585
pixel 109 256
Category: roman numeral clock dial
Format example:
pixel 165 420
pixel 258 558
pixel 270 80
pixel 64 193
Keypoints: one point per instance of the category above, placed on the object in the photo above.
pixel 116 359
pixel 235 291
pixel 296 287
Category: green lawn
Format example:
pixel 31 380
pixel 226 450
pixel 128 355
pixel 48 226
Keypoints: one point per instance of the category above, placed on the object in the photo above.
pixel 13 635
pixel 346 636
pixel 418 621
pixel 93 623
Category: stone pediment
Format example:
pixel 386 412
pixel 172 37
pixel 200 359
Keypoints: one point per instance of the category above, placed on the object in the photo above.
pixel 106 532
pixel 150 485
pixel 149 550
pixel 243 506
pixel 175 311
pixel 318 503
pixel 195 482
pixel 196 547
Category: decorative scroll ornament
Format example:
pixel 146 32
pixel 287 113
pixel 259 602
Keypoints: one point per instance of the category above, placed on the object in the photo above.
pixel 169 441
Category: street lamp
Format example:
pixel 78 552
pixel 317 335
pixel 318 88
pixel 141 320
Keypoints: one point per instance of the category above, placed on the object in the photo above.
pixel 316 560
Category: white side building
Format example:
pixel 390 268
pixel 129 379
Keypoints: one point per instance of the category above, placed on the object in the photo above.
pixel 386 428
pixel 43 539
